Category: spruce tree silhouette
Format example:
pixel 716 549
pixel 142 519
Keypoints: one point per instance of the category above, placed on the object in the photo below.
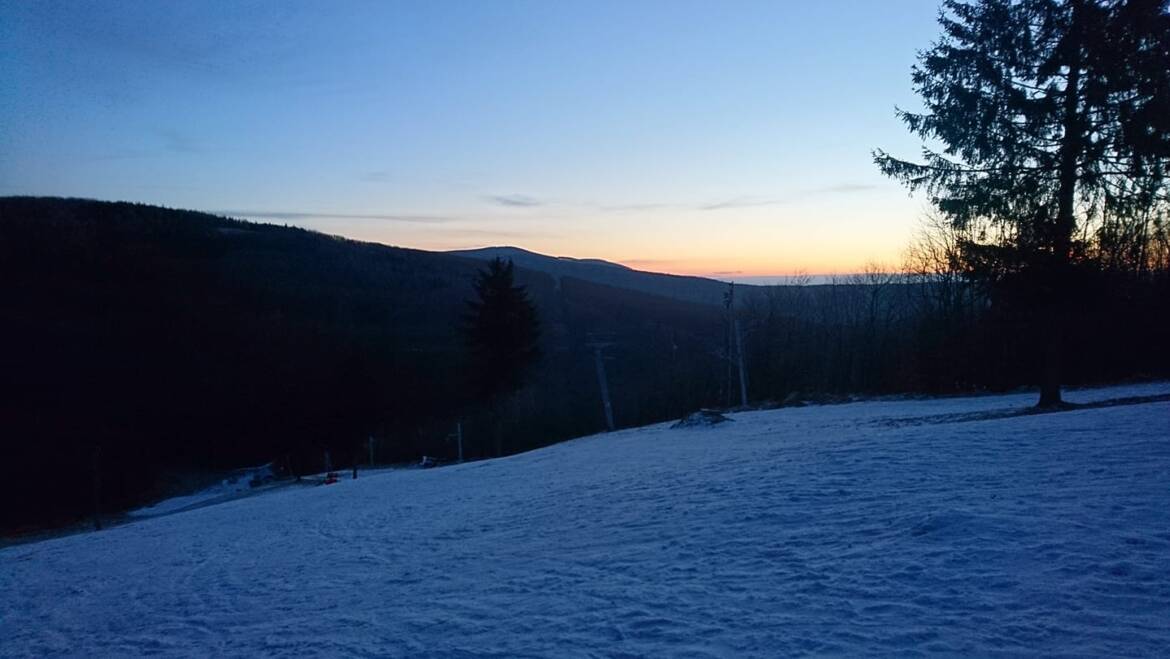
pixel 502 332
pixel 1054 122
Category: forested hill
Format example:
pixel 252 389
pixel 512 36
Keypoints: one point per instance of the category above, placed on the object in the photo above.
pixel 145 340
pixel 677 287
pixel 141 344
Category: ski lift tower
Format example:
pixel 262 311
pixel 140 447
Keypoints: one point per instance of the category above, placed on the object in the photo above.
pixel 599 345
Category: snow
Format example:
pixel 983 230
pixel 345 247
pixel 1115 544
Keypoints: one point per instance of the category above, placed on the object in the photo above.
pixel 242 482
pixel 952 526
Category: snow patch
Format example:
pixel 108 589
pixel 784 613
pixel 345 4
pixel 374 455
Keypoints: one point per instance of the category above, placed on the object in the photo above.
pixel 701 419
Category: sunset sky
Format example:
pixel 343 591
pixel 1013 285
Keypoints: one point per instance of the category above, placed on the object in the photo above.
pixel 717 138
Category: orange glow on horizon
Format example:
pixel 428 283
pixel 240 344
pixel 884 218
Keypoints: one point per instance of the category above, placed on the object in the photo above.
pixel 730 271
pixel 762 258
pixel 809 241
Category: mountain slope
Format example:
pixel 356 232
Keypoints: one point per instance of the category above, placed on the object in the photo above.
pixel 145 341
pixel 948 526
pixel 677 287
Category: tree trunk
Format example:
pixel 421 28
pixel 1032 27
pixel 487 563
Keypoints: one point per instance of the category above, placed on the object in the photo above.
pixel 1050 382
pixel 1057 275
pixel 494 418
pixel 97 488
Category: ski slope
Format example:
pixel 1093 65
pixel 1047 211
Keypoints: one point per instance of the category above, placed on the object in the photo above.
pixel 876 528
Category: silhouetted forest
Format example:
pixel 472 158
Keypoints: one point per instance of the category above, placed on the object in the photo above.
pixel 916 332
pixel 142 344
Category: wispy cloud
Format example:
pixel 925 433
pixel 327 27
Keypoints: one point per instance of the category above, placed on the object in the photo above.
pixel 732 203
pixel 515 200
pixel 125 154
pixel 168 142
pixel 168 186
pixel 625 208
pixel 176 142
pixel 844 187
pixel 495 233
pixel 743 201
pixel 647 261
pixel 294 216
pixel 738 202
pixel 750 202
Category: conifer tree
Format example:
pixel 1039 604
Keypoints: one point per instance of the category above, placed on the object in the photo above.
pixel 1044 122
pixel 502 332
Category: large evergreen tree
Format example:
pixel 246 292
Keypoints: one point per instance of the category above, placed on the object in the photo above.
pixel 1046 123
pixel 502 334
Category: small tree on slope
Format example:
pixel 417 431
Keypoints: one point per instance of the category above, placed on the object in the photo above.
pixel 1053 118
pixel 501 331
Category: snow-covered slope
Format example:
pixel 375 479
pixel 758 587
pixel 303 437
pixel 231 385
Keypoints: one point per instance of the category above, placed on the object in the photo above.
pixel 870 528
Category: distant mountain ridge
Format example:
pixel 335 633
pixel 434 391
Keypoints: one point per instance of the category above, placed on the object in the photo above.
pixel 677 287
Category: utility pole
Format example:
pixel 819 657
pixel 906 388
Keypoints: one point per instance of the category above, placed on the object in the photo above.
pixel 743 400
pixel 97 489
pixel 729 304
pixel 734 336
pixel 598 346
pixel 457 437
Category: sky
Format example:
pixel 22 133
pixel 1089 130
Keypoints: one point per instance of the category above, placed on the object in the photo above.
pixel 721 138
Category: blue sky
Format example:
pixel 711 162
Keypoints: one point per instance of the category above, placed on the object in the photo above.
pixel 728 138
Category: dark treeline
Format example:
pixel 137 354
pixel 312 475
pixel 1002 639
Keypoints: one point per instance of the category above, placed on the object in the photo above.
pixel 142 345
pixel 934 327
